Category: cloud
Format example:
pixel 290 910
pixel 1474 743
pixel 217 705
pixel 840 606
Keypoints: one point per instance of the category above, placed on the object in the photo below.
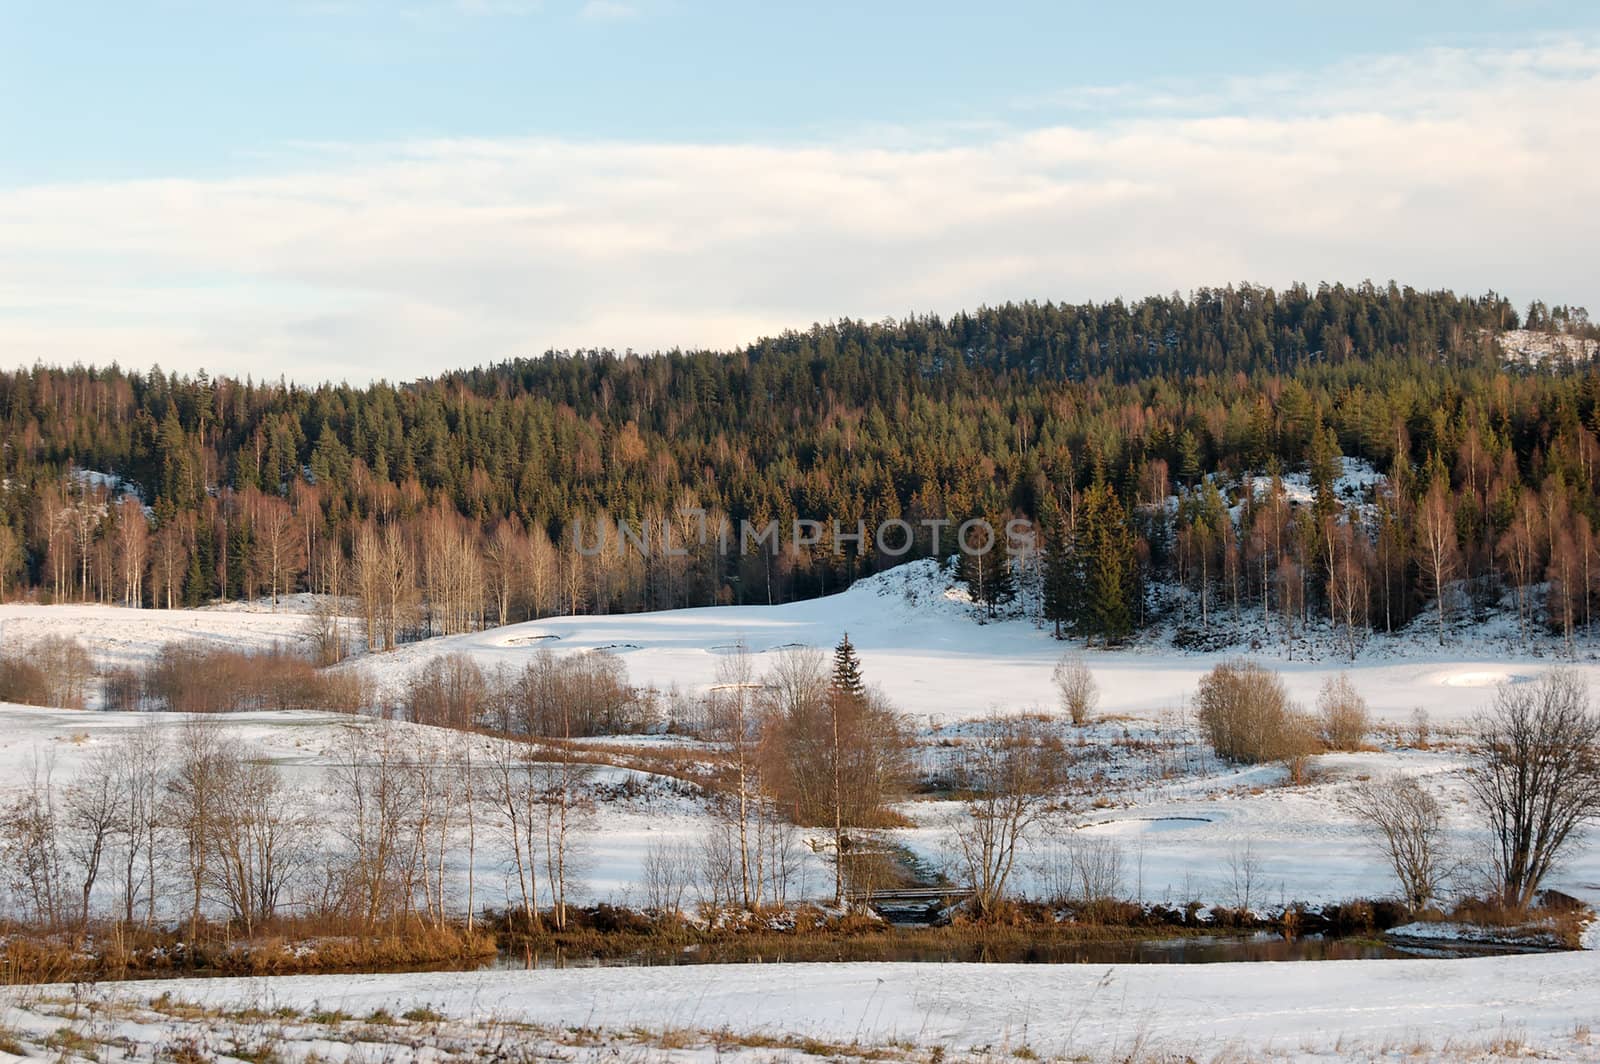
pixel 1463 169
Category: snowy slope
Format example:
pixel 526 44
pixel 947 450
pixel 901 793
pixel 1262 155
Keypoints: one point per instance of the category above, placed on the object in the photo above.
pixel 115 636
pixel 919 638
pixel 920 641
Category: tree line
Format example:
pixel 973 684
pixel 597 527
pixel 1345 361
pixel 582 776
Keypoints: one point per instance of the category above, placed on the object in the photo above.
pixel 1146 441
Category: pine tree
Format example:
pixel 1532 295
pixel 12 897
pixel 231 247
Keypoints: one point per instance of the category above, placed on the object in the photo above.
pixel 846 678
pixel 846 696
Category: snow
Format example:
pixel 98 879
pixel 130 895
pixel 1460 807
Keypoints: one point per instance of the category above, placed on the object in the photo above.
pixel 1184 827
pixel 1538 348
pixel 1181 821
pixel 1431 1009
pixel 115 636
pixel 1354 485
pixel 308 746
pixel 919 640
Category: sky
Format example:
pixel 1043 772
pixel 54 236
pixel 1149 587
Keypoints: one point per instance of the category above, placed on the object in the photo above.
pixel 354 189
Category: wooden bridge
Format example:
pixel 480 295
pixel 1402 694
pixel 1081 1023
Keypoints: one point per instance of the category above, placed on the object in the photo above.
pixel 911 904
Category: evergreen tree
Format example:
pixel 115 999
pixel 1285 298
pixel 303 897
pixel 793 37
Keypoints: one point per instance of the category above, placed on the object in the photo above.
pixel 1063 584
pixel 846 679
pixel 1107 550
pixel 988 577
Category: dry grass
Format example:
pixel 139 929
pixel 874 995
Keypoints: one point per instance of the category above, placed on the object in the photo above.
pixel 284 948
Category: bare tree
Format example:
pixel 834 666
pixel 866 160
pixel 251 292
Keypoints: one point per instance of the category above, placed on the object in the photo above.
pixel 1076 688
pixel 1244 876
pixel 506 555
pixel 668 870
pixel 1535 773
pixel 1349 587
pixel 567 809
pixel 142 766
pixel 258 838
pixel 1010 772
pixel 30 846
pixel 733 722
pixel 449 691
pixel 173 543
pixel 1409 824
pixel 515 799
pixel 452 573
pixel 1437 552
pixel 194 802
pixel 89 819
pixel 385 583
pixel 378 788
pixel 833 756
pixel 717 867
pixel 278 543
pixel 132 550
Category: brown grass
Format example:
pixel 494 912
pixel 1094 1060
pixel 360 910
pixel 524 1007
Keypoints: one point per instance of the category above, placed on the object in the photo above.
pixel 288 947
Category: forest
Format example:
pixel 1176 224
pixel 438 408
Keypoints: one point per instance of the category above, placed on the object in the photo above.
pixel 1147 442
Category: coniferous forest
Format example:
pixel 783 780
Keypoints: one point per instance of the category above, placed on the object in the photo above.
pixel 1147 442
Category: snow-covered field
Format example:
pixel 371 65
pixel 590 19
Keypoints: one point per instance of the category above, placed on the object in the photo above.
pixel 1504 1007
pixel 917 636
pixel 307 747
pixel 919 640
pixel 1191 832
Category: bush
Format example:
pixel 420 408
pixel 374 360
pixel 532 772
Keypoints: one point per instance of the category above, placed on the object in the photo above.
pixel 51 671
pixel 122 689
pixel 449 692
pixel 1247 717
pixel 192 678
pixel 24 682
pixel 1343 713
pixel 1075 685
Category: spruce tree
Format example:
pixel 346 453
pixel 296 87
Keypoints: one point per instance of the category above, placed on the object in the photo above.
pixel 1107 548
pixel 1062 575
pixel 846 678
pixel 988 578
pixel 846 695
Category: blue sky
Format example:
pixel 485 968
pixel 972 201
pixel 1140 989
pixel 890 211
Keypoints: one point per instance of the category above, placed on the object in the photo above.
pixel 363 188
pixel 128 88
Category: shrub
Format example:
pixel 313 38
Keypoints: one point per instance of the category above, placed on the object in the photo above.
pixel 24 682
pixel 1343 713
pixel 50 671
pixel 122 689
pixel 192 678
pixel 449 692
pixel 1247 717
pixel 1075 685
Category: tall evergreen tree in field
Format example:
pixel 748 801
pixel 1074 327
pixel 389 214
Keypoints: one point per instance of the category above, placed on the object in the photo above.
pixel 846 696
pixel 846 679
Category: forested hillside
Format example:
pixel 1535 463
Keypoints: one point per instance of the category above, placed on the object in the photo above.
pixel 449 503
